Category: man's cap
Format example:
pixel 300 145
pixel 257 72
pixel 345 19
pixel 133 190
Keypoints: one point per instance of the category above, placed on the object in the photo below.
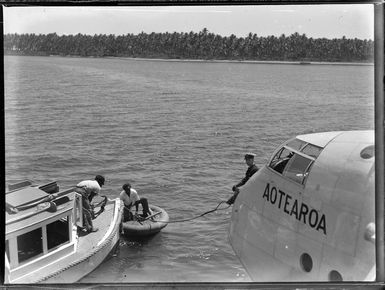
pixel 100 179
pixel 249 155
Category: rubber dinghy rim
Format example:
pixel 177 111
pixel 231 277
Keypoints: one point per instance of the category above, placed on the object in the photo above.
pixel 148 225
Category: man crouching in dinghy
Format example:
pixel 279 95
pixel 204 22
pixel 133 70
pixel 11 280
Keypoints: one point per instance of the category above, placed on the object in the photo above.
pixel 130 198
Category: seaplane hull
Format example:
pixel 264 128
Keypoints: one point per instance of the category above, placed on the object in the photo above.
pixel 308 215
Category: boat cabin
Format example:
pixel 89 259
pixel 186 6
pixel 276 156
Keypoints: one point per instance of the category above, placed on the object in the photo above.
pixel 39 231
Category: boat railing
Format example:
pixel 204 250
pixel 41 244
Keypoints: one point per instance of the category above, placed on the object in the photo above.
pixel 78 210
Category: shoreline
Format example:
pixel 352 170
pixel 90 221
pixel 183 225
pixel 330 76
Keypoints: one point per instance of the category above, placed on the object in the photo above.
pixel 244 61
pixel 298 62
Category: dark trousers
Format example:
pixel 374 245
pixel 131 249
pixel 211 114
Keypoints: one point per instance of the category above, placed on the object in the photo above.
pixel 87 211
pixel 146 209
pixel 127 214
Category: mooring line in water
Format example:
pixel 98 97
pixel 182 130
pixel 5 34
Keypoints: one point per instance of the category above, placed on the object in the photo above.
pixel 201 215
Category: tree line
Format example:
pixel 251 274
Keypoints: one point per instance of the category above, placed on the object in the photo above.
pixel 202 45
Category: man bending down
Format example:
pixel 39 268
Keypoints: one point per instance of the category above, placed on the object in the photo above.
pixel 88 189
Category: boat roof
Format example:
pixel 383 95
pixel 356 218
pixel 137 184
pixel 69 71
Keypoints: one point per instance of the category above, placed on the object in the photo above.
pixel 322 139
pixel 24 196
pixel 39 217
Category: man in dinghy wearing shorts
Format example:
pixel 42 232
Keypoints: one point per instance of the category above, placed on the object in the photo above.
pixel 130 198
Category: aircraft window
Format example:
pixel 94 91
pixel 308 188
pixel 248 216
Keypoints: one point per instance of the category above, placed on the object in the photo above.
pixel 367 152
pixel 306 262
pixel 335 276
pixel 298 168
pixel 278 163
pixel 312 150
pixel 296 144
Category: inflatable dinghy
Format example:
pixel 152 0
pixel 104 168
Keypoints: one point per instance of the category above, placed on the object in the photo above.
pixel 148 226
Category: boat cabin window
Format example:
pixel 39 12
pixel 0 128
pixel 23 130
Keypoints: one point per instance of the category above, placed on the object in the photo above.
pixel 41 240
pixel 58 233
pixel 30 245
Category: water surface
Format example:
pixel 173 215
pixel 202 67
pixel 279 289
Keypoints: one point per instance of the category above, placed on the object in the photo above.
pixel 177 131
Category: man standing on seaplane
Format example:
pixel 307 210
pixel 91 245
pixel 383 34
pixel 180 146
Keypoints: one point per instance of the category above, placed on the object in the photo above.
pixel 88 189
pixel 252 168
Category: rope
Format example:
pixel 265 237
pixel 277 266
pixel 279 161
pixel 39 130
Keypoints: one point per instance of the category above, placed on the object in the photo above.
pixel 101 203
pixel 193 218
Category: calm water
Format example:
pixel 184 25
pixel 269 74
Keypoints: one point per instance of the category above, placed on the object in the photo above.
pixel 177 131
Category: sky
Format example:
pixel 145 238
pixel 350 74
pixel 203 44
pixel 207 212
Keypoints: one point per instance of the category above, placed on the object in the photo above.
pixel 317 21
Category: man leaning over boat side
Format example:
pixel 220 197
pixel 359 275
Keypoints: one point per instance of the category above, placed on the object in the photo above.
pixel 252 168
pixel 130 197
pixel 88 189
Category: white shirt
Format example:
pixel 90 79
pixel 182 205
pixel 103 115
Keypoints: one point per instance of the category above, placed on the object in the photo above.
pixel 129 200
pixel 90 186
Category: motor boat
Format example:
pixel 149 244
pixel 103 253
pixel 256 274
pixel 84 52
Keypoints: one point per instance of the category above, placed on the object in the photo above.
pixel 43 238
